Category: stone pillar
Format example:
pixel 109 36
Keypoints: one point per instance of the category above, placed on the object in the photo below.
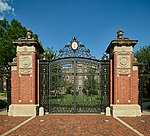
pixel 24 77
pixel 124 77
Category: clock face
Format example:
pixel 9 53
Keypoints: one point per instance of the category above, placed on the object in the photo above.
pixel 74 45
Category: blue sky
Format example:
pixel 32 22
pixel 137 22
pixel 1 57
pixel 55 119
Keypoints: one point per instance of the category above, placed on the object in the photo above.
pixel 93 22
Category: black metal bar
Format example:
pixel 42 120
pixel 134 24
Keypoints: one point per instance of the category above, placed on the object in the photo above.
pixel 69 67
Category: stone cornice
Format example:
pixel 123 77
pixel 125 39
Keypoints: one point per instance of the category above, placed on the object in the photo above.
pixel 121 42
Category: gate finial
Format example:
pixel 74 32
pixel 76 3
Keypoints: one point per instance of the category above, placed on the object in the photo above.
pixel 105 57
pixel 120 34
pixel 29 34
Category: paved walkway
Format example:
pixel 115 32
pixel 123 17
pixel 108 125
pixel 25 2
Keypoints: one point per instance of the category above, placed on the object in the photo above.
pixel 74 125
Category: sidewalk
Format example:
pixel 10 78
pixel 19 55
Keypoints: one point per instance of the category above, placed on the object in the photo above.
pixel 75 125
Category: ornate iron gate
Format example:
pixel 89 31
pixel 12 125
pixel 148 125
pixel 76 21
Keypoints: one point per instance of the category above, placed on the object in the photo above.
pixel 5 82
pixel 144 86
pixel 74 82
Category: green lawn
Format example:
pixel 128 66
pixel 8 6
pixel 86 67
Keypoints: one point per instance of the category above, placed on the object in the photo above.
pixel 68 99
pixel 3 94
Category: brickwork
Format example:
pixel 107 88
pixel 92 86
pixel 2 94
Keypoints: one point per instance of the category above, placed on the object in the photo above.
pixel 135 85
pixel 111 82
pixel 14 85
pixel 124 77
pixel 24 77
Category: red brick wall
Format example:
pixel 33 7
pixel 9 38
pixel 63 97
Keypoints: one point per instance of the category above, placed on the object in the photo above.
pixel 115 90
pixel 14 87
pixel 111 91
pixel 135 86
pixel 38 82
pixel 24 90
pixel 123 87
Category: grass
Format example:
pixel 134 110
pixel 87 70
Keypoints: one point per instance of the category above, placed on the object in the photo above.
pixel 3 94
pixel 68 99
pixel 146 99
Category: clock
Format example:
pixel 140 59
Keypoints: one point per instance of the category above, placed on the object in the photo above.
pixel 74 45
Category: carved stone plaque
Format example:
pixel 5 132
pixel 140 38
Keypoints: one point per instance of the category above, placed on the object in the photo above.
pixel 123 71
pixel 25 61
pixel 25 71
pixel 123 61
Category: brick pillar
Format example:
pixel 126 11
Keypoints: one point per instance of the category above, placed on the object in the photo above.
pixel 124 77
pixel 24 94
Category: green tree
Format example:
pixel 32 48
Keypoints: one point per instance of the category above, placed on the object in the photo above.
pixel 91 84
pixel 68 87
pixel 8 33
pixel 143 57
pixel 49 53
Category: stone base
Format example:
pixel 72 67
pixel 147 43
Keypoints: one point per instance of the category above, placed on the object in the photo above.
pixel 23 110
pixel 127 110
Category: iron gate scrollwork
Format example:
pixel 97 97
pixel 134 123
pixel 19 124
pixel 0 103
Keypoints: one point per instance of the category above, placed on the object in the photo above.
pixel 5 82
pixel 74 82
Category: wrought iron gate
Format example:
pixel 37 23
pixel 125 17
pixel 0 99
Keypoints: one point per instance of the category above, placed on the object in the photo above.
pixel 144 86
pixel 5 82
pixel 74 82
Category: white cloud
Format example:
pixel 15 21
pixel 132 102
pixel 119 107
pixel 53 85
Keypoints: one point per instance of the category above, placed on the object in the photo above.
pixel 6 7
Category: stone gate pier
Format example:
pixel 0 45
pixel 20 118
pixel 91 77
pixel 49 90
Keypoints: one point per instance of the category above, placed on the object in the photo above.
pixel 123 77
pixel 24 75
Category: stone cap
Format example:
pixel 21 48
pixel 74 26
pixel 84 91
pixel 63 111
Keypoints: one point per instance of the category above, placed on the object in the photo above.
pixel 29 40
pixel 121 41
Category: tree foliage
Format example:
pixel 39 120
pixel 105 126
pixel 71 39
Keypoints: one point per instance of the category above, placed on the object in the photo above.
pixel 91 84
pixel 49 54
pixel 10 31
pixel 143 57
pixel 69 87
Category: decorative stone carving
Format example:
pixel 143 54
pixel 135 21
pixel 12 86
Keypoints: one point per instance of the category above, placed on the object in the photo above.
pixel 123 49
pixel 25 49
pixel 123 61
pixel 25 71
pixel 25 61
pixel 13 68
pixel 123 71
